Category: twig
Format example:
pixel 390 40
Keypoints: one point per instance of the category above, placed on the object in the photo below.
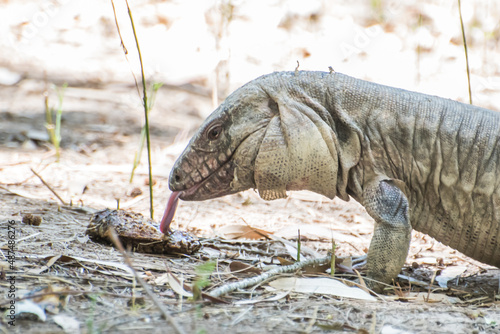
pixel 430 286
pixel 465 49
pixel 48 186
pixel 265 276
pixel 146 112
pixel 114 238
pixel 145 97
pixel 124 48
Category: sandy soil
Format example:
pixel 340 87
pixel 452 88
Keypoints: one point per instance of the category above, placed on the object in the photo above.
pixel 192 48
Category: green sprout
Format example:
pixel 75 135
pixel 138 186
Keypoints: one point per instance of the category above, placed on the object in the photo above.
pixel 54 129
pixel 203 272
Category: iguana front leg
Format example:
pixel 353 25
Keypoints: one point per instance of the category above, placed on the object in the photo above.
pixel 387 204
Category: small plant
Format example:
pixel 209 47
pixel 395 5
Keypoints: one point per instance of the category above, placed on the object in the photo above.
pixel 137 158
pixel 54 128
pixel 332 261
pixel 203 272
pixel 90 321
pixel 298 246
pixel 377 7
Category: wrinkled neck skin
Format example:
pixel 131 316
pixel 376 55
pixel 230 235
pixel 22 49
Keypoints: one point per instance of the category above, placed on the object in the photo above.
pixel 312 142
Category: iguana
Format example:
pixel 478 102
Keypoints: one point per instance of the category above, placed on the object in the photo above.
pixel 414 161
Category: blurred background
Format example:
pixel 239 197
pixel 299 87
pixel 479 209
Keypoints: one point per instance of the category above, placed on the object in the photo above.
pixel 411 44
pixel 200 51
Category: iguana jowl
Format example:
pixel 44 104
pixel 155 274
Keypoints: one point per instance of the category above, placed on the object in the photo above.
pixel 414 161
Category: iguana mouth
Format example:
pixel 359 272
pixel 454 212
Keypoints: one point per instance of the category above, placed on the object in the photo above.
pixel 228 176
pixel 215 184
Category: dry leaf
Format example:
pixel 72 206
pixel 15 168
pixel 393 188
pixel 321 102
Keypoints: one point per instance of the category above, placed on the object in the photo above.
pixel 176 285
pixel 50 262
pixel 239 267
pixel 316 268
pixel 67 323
pixel 117 265
pixel 293 248
pixel 362 284
pixel 284 262
pixel 243 232
pixel 292 251
pixel 27 306
pixel 51 302
pixel 448 274
pixel 324 286
pixel 271 299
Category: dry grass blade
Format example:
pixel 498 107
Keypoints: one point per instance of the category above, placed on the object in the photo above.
pixel 430 285
pixel 465 50
pixel 265 276
pixel 128 261
pixel 49 187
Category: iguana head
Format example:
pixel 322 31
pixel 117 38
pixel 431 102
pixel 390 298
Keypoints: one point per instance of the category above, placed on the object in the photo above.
pixel 219 160
pixel 273 134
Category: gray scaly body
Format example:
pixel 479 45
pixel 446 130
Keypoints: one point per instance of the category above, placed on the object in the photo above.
pixel 414 161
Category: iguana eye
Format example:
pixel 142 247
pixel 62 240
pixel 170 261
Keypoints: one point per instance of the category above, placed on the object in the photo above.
pixel 214 132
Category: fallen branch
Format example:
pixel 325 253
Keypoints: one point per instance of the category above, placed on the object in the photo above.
pixel 265 276
pixel 114 238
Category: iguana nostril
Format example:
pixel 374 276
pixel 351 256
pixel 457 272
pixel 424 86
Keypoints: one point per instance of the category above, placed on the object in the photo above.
pixel 177 177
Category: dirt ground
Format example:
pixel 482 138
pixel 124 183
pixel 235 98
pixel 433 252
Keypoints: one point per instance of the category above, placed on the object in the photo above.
pixel 415 46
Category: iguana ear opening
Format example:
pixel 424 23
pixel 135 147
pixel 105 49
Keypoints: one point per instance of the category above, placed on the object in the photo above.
pixel 298 152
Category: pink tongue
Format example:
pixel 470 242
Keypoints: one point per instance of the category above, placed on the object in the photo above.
pixel 169 212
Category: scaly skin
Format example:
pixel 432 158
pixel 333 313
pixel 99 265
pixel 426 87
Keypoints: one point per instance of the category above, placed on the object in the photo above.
pixel 412 160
